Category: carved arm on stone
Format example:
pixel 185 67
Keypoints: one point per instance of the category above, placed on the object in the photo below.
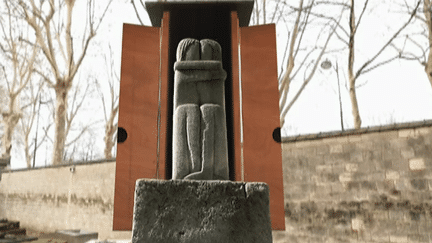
pixel 199 127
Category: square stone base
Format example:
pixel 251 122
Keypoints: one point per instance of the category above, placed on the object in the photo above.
pixel 201 211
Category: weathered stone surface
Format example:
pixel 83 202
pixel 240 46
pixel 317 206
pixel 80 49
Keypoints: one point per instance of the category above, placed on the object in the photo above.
pixel 200 149
pixel 417 164
pixel 380 187
pixel 201 211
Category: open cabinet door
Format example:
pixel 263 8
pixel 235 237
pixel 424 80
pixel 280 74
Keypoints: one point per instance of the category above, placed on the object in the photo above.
pixel 262 155
pixel 142 114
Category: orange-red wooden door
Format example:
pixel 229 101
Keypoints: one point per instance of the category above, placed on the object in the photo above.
pixel 142 113
pixel 261 159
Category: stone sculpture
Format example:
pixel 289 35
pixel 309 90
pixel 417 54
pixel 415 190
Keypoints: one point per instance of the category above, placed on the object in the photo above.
pixel 200 149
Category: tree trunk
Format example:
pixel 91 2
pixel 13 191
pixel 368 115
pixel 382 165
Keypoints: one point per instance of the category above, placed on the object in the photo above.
pixel 10 120
pixel 110 130
pixel 27 152
pixel 351 77
pixel 428 67
pixel 427 13
pixel 109 141
pixel 60 121
pixel 354 104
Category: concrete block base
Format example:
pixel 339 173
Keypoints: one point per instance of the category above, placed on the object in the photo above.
pixel 72 236
pixel 201 211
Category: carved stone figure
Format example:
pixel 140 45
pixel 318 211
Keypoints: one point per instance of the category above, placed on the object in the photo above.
pixel 200 149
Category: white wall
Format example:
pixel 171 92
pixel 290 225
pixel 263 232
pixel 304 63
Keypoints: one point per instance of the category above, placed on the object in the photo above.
pixel 51 199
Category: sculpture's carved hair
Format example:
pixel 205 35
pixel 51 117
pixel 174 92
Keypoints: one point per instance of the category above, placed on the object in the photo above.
pixel 188 49
pixel 210 50
pixel 191 49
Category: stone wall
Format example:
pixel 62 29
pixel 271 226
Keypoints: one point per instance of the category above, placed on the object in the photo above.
pixel 370 185
pixel 67 197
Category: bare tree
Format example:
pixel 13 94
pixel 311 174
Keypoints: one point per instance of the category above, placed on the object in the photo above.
pixel 32 113
pixel 268 11
pixel 307 58
pixel 372 62
pixel 427 11
pixel 110 105
pixel 22 88
pixel 416 46
pixel 17 70
pixel 82 149
pixel 51 22
pixel 79 131
pixel 136 5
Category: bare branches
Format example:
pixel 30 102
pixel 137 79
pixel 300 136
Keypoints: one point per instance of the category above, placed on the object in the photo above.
pixel 20 60
pixel 361 14
pixel 275 12
pixel 413 43
pixel 302 63
pixel 303 29
pixel 360 70
pixel 333 3
pixel 311 74
pixel 332 19
pixel 136 11
pixel 44 36
pixel 34 96
pixel 283 58
pixel 81 133
pixel 31 15
pixel 353 76
pixel 50 83
pixel 409 55
pixel 286 79
pixel 55 37
pixel 346 35
pixel 75 107
pixel 304 23
pixel 110 124
pixel 380 64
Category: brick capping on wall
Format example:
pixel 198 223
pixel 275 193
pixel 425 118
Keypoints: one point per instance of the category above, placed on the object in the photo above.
pixel 76 163
pixel 333 134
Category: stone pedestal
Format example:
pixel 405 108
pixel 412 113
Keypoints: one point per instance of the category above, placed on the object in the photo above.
pixel 201 211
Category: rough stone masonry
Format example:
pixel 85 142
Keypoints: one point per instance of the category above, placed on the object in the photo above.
pixel 190 211
pixel 369 185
